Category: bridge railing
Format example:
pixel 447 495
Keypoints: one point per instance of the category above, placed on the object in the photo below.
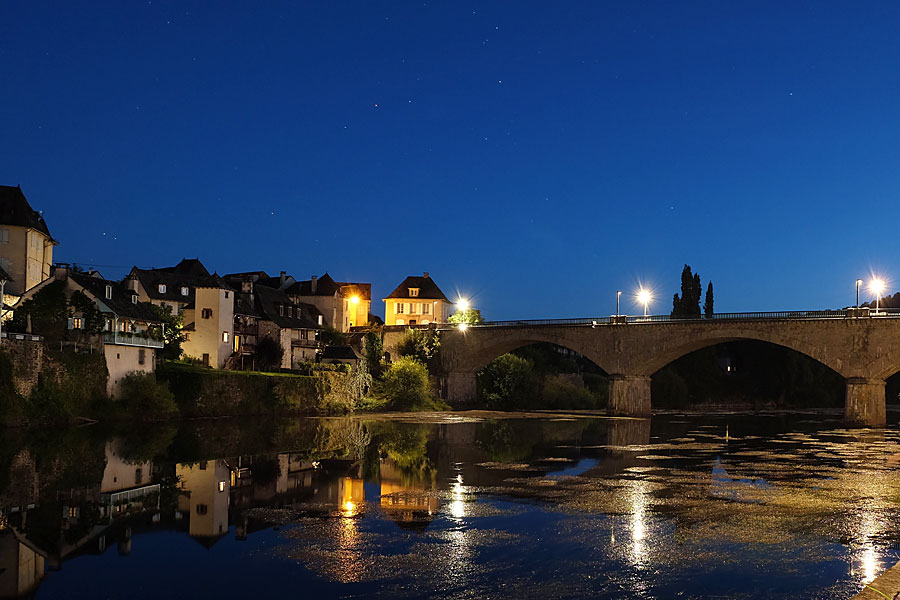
pixel 795 315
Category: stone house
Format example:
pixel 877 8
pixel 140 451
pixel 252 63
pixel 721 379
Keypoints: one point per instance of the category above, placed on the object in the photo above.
pixel 26 246
pixel 129 343
pixel 417 301
pixel 209 322
pixel 344 304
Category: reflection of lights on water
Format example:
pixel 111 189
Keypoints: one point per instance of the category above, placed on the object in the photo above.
pixel 349 509
pixel 638 495
pixel 457 504
pixel 869 565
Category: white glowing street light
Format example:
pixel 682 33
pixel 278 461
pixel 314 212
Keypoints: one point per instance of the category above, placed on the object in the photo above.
pixel 462 304
pixel 644 297
pixel 876 286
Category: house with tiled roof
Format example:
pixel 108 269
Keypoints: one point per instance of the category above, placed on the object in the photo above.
pixel 265 311
pixel 417 301
pixel 168 286
pixel 26 246
pixel 344 304
pixel 131 331
pixel 209 322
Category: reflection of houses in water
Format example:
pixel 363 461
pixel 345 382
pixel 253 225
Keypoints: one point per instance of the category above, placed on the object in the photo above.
pixel 204 500
pixel 21 565
pixel 126 486
pixel 411 505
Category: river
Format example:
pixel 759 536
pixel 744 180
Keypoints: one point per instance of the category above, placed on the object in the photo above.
pixel 453 505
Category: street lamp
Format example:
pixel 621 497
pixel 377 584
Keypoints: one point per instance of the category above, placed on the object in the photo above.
pixel 462 304
pixel 644 297
pixel 876 286
pixel 858 283
pixel 618 295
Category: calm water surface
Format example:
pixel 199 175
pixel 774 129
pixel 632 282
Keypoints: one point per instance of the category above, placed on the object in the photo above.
pixel 465 505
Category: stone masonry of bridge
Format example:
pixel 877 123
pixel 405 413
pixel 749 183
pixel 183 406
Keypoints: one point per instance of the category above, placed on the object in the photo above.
pixel 865 351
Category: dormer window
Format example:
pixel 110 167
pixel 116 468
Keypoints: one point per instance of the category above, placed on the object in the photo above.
pixel 185 291
pixel 281 310
pixel 320 319
pixel 413 292
pixel 162 288
pixel 108 292
pixel 291 311
pixel 134 298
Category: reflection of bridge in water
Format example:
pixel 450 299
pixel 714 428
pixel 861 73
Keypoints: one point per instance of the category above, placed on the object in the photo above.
pixel 861 345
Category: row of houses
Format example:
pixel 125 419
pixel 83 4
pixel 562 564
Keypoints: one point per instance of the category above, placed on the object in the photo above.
pixel 224 317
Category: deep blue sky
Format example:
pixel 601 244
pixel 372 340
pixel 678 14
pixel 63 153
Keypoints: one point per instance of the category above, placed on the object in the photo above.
pixel 537 156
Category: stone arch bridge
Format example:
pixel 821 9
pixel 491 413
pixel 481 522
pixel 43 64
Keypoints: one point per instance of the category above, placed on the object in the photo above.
pixel 862 347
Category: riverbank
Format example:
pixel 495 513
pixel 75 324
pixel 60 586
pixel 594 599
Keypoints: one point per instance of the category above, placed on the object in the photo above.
pixel 886 585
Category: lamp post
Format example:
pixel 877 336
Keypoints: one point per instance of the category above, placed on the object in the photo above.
pixel 2 286
pixel 858 283
pixel 618 295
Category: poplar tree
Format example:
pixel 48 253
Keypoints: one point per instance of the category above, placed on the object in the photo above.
pixel 687 306
pixel 708 304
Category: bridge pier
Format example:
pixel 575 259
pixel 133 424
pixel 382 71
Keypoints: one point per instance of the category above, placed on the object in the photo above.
pixel 629 396
pixel 865 403
pixel 461 388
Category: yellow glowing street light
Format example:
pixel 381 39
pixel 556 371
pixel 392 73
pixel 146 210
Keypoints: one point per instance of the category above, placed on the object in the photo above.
pixel 644 297
pixel 876 286
pixel 462 304
pixel 463 326
pixel 354 300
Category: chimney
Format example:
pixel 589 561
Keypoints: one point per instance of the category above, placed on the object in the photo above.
pixel 132 284
pixel 247 286
pixel 312 283
pixel 282 278
pixel 426 274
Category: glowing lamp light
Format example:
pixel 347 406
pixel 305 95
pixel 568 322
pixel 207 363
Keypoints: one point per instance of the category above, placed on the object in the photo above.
pixel 462 304
pixel 644 297
pixel 876 286
pixel 463 326
pixel 355 299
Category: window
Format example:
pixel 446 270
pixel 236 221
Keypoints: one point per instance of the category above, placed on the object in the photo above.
pixel 320 320
pixel 4 236
pixel 206 313
pixel 185 291
pixel 162 288
pixel 141 356
pixel 138 476
pixel 221 486
pixel 291 311
pixel 281 310
pixel 226 295
pixel 108 292
pixel 225 336
pixel 399 309
pixel 413 292
pixel 399 321
pixel 426 309
pixel 202 509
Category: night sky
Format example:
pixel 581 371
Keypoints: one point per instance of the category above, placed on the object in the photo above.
pixel 535 156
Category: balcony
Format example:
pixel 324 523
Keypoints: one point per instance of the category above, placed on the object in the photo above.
pixel 306 344
pixel 129 495
pixel 128 339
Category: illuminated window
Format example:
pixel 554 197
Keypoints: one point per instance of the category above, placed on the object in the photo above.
pixel 225 336
pixel 162 288
pixel 413 292
pixel 77 323
pixel 206 313
pixel 108 292
pixel 320 319
pixel 221 486
pixel 184 291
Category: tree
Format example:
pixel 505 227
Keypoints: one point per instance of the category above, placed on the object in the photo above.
pixel 420 344
pixel 471 316
pixel 406 384
pixel 93 320
pixel 268 353
pixel 374 349
pixel 48 310
pixel 507 382
pixel 332 337
pixel 687 306
pixel 171 333
pixel 708 304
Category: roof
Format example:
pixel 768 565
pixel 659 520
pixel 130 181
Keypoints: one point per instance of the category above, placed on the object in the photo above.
pixel 213 281
pixel 428 289
pixel 327 286
pixel 186 274
pixel 15 210
pixel 341 353
pixel 292 316
pixel 121 302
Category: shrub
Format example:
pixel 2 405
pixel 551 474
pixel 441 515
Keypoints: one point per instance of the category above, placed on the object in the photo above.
pixel 507 382
pixel 145 398
pixel 420 344
pixel 561 393
pixel 268 353
pixel 406 385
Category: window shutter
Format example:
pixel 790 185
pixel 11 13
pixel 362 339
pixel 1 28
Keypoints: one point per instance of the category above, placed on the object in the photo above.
pixel 71 323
